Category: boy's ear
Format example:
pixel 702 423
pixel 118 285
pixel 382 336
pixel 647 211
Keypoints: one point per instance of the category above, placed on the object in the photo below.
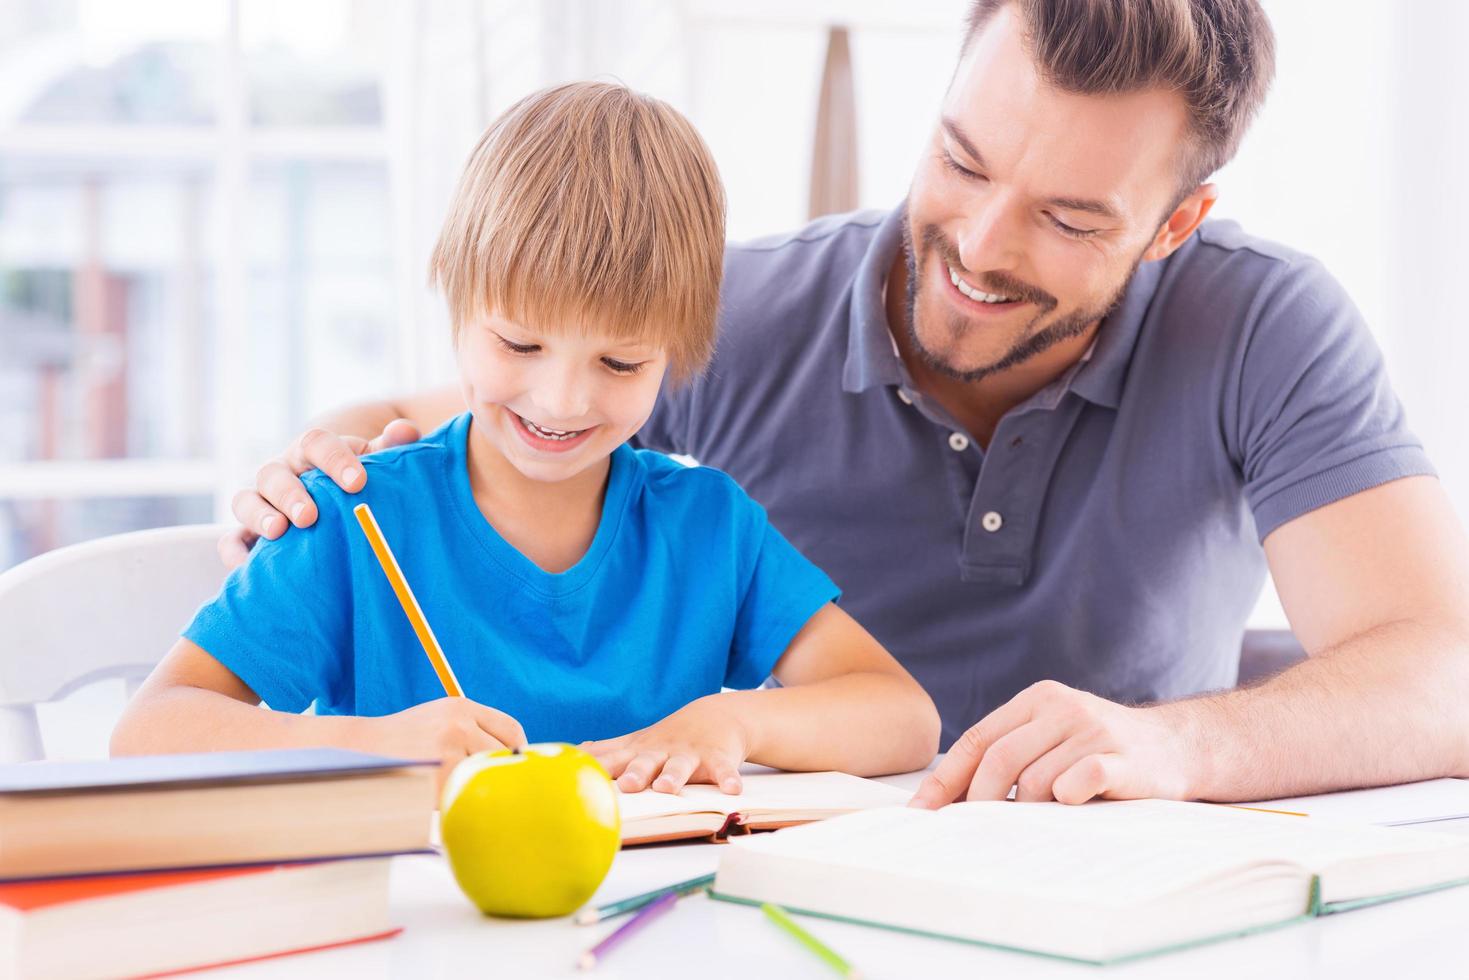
pixel 1187 216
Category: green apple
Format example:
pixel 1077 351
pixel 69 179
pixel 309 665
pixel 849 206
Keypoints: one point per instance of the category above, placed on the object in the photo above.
pixel 530 833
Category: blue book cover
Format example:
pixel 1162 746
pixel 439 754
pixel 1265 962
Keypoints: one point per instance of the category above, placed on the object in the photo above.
pixel 193 769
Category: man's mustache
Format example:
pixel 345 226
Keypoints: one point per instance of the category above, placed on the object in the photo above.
pixel 998 283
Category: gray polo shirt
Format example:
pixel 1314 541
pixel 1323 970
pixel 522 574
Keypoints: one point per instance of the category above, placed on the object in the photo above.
pixel 1110 536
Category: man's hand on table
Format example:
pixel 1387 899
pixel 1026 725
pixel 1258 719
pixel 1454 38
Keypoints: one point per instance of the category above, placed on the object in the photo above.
pixel 1053 742
pixel 262 510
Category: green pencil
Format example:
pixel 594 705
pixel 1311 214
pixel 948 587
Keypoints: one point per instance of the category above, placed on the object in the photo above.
pixel 593 916
pixel 828 955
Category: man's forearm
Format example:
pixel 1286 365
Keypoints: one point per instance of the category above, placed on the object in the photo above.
pixel 1388 706
pixel 867 724
pixel 427 409
pixel 191 719
pixel 365 420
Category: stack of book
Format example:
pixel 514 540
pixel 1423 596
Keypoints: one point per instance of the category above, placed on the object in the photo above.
pixel 176 862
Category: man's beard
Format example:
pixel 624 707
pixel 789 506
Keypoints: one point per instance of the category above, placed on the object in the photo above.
pixel 1032 342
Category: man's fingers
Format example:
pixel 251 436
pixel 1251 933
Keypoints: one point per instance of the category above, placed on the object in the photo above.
pixel 234 546
pixel 676 772
pixel 334 455
pixel 639 772
pixel 1098 774
pixel 1010 755
pixel 950 780
pixel 255 512
pixel 284 491
pixel 1035 784
pixel 947 783
pixel 500 725
pixel 398 432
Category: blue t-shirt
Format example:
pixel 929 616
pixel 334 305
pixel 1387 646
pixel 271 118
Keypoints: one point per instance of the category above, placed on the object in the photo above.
pixel 685 588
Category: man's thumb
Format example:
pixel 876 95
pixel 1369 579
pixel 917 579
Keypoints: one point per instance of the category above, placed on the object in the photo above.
pixel 398 432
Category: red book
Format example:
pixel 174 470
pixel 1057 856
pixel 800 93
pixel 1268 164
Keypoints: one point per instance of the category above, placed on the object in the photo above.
pixel 173 921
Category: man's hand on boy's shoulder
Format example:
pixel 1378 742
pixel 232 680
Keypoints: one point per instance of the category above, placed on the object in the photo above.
pixel 703 742
pixel 262 510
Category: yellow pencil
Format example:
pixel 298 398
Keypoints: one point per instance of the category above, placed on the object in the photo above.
pixel 408 600
pixel 1261 809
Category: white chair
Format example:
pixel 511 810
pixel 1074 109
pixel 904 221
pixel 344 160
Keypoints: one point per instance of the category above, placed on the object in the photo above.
pixel 92 611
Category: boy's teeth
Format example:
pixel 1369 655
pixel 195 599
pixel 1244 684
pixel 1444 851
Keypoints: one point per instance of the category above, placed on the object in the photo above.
pixel 975 294
pixel 544 433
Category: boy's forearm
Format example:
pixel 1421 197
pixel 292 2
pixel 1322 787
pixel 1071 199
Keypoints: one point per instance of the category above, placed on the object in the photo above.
pixel 192 719
pixel 867 724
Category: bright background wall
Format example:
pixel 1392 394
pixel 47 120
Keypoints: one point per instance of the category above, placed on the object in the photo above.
pixel 215 214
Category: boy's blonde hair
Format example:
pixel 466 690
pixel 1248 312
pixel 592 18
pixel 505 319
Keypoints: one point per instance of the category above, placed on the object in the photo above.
pixel 590 207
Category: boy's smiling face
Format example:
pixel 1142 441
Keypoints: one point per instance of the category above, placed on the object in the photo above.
pixel 554 404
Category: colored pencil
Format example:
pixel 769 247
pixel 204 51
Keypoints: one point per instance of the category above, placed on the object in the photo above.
pixel 825 953
pixel 1262 809
pixel 644 915
pixel 408 600
pixel 590 917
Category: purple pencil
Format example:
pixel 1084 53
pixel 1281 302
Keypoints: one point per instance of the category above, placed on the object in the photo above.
pixel 644 915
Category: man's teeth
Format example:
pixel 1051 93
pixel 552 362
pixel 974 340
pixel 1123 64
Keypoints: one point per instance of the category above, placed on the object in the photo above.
pixel 558 435
pixel 977 295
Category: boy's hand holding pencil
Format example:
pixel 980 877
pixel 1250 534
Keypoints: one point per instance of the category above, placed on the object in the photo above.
pixel 447 729
pixel 450 728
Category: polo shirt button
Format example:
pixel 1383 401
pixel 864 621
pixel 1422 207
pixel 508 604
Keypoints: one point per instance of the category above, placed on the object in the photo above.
pixel 903 397
pixel 992 521
pixel 958 441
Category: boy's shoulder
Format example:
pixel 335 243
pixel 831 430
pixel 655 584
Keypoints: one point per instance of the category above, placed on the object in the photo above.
pixel 395 471
pixel 675 481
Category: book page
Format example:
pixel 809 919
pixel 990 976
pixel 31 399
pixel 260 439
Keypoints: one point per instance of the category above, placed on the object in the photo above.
pixel 1106 852
pixel 785 791
pixel 1093 882
pixel 1410 803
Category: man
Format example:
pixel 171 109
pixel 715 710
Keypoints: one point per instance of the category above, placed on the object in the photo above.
pixel 1046 428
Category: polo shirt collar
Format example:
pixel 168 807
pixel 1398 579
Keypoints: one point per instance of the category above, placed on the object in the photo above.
pixel 872 356
pixel 1101 378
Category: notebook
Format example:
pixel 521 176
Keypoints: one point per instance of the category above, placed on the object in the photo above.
pixel 1099 883
pixel 768 801
pixel 182 920
pixel 208 809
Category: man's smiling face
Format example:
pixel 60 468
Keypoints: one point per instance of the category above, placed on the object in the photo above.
pixel 1031 208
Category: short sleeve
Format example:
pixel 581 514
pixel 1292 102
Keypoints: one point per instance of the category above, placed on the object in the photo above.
pixel 1315 419
pixel 782 592
pixel 282 621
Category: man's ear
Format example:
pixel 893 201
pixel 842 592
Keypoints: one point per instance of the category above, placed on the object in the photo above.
pixel 1189 214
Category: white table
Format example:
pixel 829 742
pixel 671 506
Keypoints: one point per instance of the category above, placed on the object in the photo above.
pixel 445 937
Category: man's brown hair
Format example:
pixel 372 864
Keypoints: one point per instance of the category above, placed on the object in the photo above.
pixel 590 207
pixel 1218 55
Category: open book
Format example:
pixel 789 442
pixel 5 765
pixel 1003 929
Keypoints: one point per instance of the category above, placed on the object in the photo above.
pixel 1098 883
pixel 768 801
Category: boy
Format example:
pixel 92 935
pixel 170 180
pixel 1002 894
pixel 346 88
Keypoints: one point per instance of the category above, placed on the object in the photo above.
pixel 582 590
